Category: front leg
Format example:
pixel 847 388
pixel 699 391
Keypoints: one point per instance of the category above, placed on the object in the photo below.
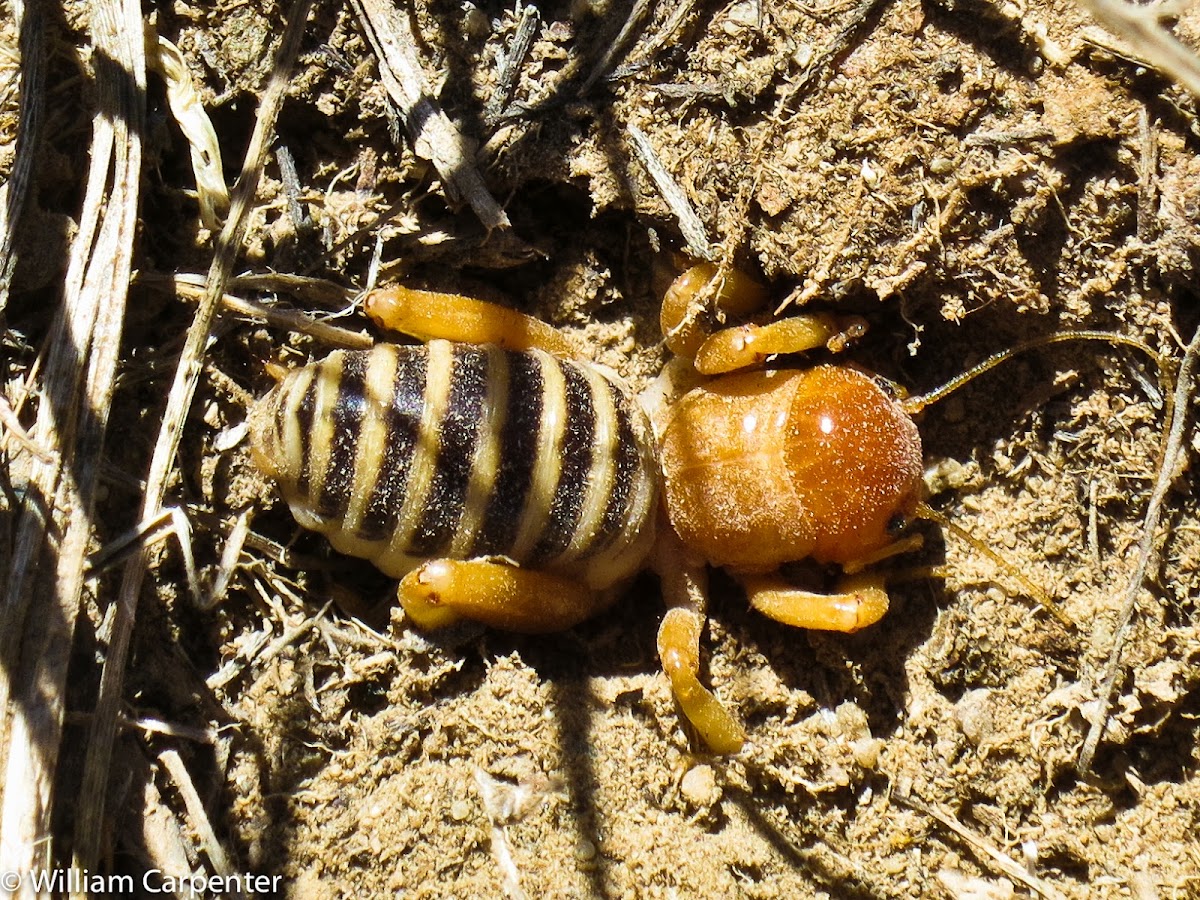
pixel 746 346
pixel 704 294
pixel 860 600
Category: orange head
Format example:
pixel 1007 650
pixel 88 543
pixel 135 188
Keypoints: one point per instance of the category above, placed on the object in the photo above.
pixel 763 468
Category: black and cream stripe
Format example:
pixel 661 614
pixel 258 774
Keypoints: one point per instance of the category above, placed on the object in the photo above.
pixel 400 454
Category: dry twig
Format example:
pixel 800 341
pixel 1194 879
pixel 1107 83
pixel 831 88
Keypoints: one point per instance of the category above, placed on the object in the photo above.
pixel 433 135
pixel 649 47
pixel 983 848
pixel 1141 27
pixel 170 521
pixel 690 224
pixel 292 320
pixel 1147 218
pixel 290 178
pixel 1148 549
pixel 197 815
pixel 634 21
pixel 162 832
pixel 11 426
pixel 229 562
pixel 510 64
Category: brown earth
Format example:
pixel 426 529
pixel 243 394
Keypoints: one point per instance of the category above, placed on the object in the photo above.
pixel 964 174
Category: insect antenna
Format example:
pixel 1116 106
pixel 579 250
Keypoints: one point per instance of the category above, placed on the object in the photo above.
pixel 915 404
pixel 1034 591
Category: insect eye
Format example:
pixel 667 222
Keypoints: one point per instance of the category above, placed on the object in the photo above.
pixel 894 390
pixel 897 524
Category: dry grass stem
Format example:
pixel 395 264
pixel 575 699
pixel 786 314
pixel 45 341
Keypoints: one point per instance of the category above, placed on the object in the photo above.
pixel 1148 39
pixel 649 47
pixel 690 224
pixel 229 562
pixel 985 849
pixel 162 835
pixel 1147 177
pixel 633 22
pixel 291 188
pixel 317 291
pixel 511 62
pixel 1148 550
pixel 287 319
pixel 197 814
pixel 13 429
pixel 233 668
pixel 76 387
pixel 88 828
pixel 170 521
pixel 291 634
pixel 206 736
pixel 164 58
pixel 30 20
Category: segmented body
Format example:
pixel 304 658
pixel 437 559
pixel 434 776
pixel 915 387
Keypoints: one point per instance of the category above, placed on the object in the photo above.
pixel 400 454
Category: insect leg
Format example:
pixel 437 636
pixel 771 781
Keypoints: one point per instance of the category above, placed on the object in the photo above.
pixel 496 593
pixel 860 600
pixel 688 308
pixel 679 648
pixel 429 314
pixel 749 345
pixel 704 294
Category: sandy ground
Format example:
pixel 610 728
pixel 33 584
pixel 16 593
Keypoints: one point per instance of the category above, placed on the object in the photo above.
pixel 966 175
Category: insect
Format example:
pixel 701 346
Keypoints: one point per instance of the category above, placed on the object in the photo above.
pixel 503 480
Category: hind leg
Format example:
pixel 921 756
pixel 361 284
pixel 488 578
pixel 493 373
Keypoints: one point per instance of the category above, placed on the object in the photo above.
pixel 504 596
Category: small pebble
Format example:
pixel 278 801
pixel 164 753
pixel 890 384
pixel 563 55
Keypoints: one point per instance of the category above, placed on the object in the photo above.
pixel 699 786
pixel 585 850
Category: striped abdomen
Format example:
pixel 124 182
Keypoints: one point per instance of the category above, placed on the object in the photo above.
pixel 400 454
